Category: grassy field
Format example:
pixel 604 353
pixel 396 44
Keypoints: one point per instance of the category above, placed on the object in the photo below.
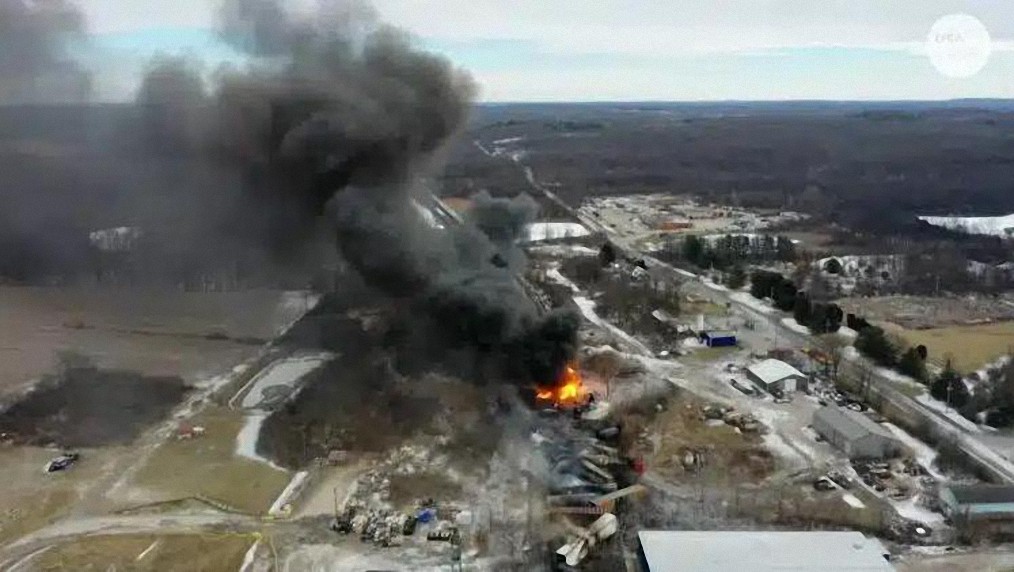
pixel 208 466
pixel 183 553
pixel 32 499
pixel 971 347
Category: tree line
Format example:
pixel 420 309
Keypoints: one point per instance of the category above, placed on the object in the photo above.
pixel 730 251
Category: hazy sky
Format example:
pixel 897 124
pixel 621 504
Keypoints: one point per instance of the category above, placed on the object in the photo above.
pixel 565 50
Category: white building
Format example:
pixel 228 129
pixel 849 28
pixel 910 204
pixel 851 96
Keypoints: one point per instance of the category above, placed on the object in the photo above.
pixel 776 376
pixel 760 551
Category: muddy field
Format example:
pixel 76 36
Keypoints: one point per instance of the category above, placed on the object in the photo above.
pixel 155 333
pixel 84 406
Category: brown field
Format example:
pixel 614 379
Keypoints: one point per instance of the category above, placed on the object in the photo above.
pixel 165 333
pixel 970 347
pixel 729 457
pixel 184 553
pixel 208 466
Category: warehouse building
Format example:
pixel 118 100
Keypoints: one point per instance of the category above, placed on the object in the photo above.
pixel 776 376
pixel 855 434
pixel 978 502
pixel 760 551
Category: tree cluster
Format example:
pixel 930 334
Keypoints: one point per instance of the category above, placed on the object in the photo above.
pixel 820 317
pixel 729 251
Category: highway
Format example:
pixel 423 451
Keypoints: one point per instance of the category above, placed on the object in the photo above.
pixel 941 428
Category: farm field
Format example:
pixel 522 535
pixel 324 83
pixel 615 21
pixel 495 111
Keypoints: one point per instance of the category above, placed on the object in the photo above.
pixel 151 332
pixel 970 347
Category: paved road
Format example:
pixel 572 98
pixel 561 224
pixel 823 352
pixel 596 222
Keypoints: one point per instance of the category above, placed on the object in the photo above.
pixel 942 427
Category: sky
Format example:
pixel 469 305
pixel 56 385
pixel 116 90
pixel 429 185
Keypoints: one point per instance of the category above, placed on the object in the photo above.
pixel 635 50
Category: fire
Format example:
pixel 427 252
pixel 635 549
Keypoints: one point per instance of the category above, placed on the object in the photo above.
pixel 568 391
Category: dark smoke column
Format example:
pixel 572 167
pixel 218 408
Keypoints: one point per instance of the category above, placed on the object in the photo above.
pixel 341 114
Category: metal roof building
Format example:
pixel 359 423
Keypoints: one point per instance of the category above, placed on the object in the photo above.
pixel 776 375
pixel 855 434
pixel 978 502
pixel 760 551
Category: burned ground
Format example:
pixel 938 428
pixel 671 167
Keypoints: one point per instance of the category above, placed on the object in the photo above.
pixel 85 406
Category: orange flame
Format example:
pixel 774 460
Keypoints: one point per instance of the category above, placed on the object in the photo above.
pixel 568 391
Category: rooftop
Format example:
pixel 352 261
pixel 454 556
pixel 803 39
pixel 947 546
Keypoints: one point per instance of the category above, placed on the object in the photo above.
pixel 983 494
pixel 773 370
pixel 850 423
pixel 762 551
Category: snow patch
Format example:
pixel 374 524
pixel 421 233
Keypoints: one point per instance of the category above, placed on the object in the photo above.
pixel 246 439
pixel 248 558
pixel 563 250
pixel 912 510
pixel 852 500
pixel 988 225
pixel 795 326
pixel 749 301
pixel 847 332
pixel 285 372
pixel 278 507
pixel 949 413
pixel 587 308
pixel 556 276
pixel 539 231
pixel 925 454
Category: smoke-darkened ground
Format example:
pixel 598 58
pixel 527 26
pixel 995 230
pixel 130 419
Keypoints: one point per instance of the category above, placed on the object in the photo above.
pixel 88 407
pixel 389 381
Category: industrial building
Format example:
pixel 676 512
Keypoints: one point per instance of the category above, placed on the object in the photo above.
pixel 760 551
pixel 776 376
pixel 978 502
pixel 855 434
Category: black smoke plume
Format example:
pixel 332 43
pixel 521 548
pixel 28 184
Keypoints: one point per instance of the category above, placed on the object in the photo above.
pixel 36 37
pixel 339 114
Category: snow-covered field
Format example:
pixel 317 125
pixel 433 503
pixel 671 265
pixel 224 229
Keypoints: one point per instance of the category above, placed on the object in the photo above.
pixel 989 225
pixel 284 372
pixel 539 231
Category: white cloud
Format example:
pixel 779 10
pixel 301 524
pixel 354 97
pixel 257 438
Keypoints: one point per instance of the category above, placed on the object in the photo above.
pixel 677 27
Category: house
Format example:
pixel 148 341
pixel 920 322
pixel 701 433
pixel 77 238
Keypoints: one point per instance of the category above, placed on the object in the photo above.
pixel 978 502
pixel 760 551
pixel 718 338
pixel 776 376
pixel 855 434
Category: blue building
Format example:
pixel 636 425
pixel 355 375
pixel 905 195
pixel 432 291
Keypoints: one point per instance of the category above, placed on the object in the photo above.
pixel 978 502
pixel 718 338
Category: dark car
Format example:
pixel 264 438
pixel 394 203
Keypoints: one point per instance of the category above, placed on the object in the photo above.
pixel 61 463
